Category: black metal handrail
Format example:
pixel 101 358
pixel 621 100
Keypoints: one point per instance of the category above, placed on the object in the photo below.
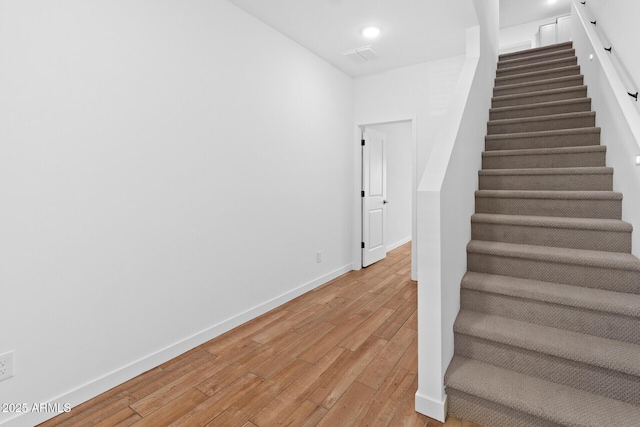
pixel 610 50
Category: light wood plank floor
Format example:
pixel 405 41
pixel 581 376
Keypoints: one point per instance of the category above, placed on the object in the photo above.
pixel 344 354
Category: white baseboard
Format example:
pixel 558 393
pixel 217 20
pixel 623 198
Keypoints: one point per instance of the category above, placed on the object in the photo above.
pixel 398 243
pixel 431 408
pixel 107 382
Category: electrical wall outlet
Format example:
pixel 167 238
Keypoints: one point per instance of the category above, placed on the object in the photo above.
pixel 319 257
pixel 6 365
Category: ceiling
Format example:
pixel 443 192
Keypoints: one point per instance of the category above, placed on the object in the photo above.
pixel 515 12
pixel 412 31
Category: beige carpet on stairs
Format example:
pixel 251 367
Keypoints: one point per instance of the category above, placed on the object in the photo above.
pixel 548 332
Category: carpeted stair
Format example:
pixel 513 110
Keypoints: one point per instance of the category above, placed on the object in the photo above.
pixel 548 332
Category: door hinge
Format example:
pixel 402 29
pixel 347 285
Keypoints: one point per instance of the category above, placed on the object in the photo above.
pixel 362 193
pixel 362 142
pixel 362 245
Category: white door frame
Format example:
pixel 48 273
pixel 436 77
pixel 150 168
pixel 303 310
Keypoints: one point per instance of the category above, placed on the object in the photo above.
pixel 357 200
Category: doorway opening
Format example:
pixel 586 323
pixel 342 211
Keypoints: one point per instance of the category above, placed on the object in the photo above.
pixel 387 185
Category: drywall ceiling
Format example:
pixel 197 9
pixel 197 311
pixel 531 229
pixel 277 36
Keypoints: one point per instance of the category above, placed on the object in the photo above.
pixel 516 12
pixel 412 31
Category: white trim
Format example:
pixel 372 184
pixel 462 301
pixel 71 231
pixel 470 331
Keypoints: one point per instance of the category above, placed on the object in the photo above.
pixel 108 381
pixel 431 408
pixel 398 243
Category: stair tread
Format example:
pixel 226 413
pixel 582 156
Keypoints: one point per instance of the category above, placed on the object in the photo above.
pixel 588 170
pixel 561 116
pixel 547 194
pixel 544 133
pixel 605 353
pixel 538 397
pixel 539 82
pixel 537 73
pixel 544 151
pixel 602 259
pixel 555 293
pixel 554 222
pixel 535 50
pixel 552 62
pixel 540 105
pixel 537 93
pixel 543 57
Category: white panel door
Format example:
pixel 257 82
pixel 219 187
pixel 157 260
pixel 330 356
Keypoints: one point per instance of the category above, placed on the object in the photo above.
pixel 374 193
pixel 564 29
pixel 547 34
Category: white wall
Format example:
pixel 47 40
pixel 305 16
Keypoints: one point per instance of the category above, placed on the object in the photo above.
pixel 445 205
pixel 399 172
pixel 421 93
pixel 523 36
pixel 617 26
pixel 616 112
pixel 168 170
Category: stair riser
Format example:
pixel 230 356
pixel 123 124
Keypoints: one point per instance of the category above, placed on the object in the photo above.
pixel 597 323
pixel 596 240
pixel 547 141
pixel 571 182
pixel 566 160
pixel 486 413
pixel 528 77
pixel 611 279
pixel 536 98
pixel 581 376
pixel 519 126
pixel 540 66
pixel 611 209
pixel 544 110
pixel 536 59
pixel 538 86
pixel 534 52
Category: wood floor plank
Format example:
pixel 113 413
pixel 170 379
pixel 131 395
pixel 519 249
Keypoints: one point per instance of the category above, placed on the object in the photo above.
pixel 295 346
pixel 406 414
pixel 209 409
pixel 341 315
pixel 409 359
pixel 403 313
pixel 94 414
pixel 122 418
pixel 174 409
pixel 285 324
pixel 412 321
pixel 276 411
pixel 256 399
pixel 176 388
pixel 344 354
pixel 360 335
pixel 375 373
pixel 387 330
pixel 348 408
pixel 330 390
pixel 383 405
pixel 231 338
pixel 331 339
pixel 305 413
pixel 222 379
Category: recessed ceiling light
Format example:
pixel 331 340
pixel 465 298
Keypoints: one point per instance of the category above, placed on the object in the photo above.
pixel 552 1
pixel 371 32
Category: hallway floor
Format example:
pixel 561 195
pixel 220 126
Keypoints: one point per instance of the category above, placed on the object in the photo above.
pixel 344 354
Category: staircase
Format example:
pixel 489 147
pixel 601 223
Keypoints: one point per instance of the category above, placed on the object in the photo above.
pixel 548 332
